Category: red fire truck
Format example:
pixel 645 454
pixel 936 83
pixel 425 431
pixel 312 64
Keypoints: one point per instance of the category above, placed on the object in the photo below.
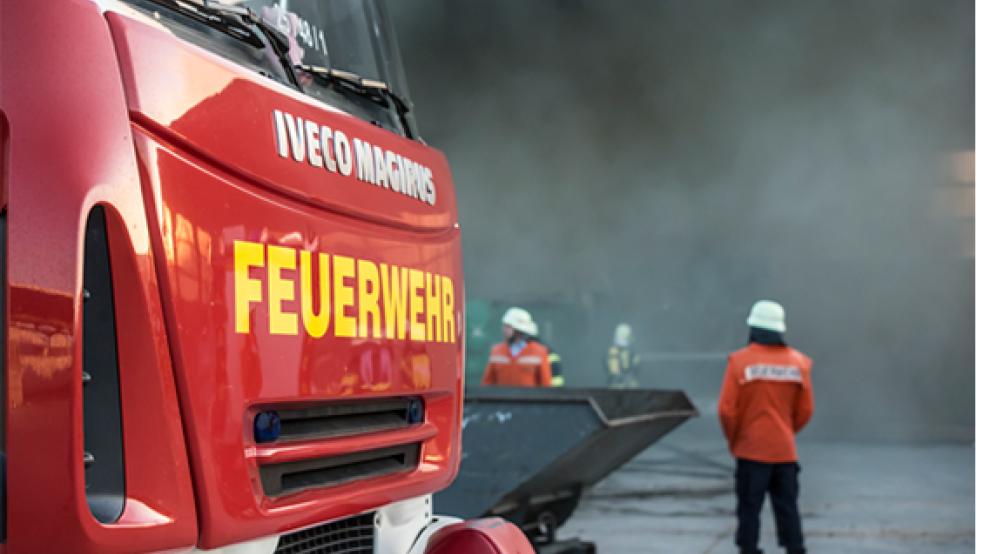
pixel 232 284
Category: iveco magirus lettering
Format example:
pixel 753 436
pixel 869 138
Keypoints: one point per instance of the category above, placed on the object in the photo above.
pixel 330 149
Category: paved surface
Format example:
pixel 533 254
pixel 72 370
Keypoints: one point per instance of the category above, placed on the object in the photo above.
pixel 677 497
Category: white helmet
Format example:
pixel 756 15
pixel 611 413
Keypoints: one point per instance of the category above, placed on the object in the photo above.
pixel 520 320
pixel 623 334
pixel 768 315
pixel 535 330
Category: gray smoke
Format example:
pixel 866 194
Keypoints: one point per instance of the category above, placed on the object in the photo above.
pixel 668 163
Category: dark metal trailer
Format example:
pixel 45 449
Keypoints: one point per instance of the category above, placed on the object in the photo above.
pixel 528 453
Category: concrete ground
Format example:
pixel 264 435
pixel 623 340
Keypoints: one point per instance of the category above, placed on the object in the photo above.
pixel 677 497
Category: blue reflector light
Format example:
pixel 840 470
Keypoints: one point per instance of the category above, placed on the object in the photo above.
pixel 415 411
pixel 266 427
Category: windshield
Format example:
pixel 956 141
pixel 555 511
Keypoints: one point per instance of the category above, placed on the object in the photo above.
pixel 352 36
pixel 348 35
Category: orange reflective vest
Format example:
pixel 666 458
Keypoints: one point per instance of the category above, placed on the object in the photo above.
pixel 529 368
pixel 766 398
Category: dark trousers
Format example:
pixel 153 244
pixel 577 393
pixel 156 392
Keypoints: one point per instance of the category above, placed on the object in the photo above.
pixel 752 481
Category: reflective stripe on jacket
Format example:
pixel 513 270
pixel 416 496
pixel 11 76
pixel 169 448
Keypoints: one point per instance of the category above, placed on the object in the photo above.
pixel 556 367
pixel 621 360
pixel 530 368
pixel 766 398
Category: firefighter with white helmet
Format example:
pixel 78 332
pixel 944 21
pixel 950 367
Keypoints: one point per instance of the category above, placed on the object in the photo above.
pixel 766 398
pixel 622 361
pixel 518 361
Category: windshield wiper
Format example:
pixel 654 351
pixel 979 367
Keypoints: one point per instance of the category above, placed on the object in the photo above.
pixel 203 13
pixel 277 39
pixel 369 88
pixel 377 91
pixel 240 23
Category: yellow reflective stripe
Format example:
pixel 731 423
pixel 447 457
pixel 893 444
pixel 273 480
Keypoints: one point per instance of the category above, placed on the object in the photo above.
pixel 554 357
pixel 557 381
pixel 613 366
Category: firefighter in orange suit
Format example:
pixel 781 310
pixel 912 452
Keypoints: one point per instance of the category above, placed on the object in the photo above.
pixel 518 361
pixel 766 398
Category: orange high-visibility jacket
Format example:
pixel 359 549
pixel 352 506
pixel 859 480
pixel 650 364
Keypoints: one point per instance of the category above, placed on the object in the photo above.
pixel 766 398
pixel 530 368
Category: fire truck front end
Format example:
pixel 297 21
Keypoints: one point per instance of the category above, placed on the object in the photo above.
pixel 232 284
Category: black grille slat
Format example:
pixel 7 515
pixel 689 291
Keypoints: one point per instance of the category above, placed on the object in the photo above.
pixel 354 535
pixel 319 536
pixel 288 477
pixel 333 536
pixel 339 419
pixel 342 474
pixel 336 426
pixel 366 545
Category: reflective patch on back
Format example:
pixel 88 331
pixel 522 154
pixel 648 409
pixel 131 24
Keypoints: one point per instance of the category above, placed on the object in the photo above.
pixel 768 372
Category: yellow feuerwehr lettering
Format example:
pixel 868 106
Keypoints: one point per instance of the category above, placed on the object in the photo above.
pixel 279 289
pixel 447 308
pixel 365 299
pixel 432 296
pixel 418 331
pixel 247 290
pixel 316 323
pixel 368 277
pixel 394 281
pixel 343 268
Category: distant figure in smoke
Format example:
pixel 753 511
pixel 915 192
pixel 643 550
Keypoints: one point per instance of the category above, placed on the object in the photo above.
pixel 622 361
pixel 556 364
pixel 518 361
pixel 766 398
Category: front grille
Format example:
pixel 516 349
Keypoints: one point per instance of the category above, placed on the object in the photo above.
pixel 354 535
pixel 339 419
pixel 288 477
pixel 336 419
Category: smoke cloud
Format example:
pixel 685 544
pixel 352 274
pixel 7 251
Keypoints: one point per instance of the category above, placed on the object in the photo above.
pixel 668 163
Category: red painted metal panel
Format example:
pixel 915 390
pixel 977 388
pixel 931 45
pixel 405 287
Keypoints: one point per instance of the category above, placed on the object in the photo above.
pixel 224 114
pixel 70 147
pixel 208 159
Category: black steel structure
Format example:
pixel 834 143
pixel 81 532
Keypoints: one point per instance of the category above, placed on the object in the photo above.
pixel 529 453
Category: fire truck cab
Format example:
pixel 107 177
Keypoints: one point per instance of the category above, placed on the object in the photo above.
pixel 232 286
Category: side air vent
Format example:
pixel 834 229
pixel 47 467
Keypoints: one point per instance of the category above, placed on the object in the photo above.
pixel 103 432
pixel 354 535
pixel 337 419
pixel 288 477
